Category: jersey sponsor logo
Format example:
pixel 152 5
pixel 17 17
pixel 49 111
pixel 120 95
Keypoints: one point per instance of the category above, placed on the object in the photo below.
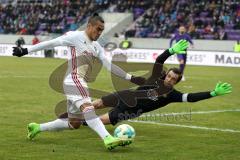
pixel 152 94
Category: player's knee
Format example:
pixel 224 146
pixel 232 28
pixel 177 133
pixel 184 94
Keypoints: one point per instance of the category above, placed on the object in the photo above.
pixel 105 119
pixel 75 124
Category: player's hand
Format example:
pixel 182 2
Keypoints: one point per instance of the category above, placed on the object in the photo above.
pixel 221 89
pixel 138 80
pixel 19 51
pixel 179 47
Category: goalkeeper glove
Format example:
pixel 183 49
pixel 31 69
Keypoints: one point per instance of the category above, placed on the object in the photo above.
pixel 179 47
pixel 19 51
pixel 221 89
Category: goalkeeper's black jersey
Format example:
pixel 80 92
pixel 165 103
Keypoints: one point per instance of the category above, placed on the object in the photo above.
pixel 152 95
pixel 144 104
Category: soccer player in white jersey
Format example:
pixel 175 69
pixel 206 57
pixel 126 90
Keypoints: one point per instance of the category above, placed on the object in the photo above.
pixel 79 43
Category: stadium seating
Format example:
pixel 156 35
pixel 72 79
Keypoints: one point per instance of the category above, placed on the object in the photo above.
pixel 214 19
pixel 46 16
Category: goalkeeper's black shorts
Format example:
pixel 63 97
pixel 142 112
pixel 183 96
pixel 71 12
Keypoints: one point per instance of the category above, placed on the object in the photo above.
pixel 123 107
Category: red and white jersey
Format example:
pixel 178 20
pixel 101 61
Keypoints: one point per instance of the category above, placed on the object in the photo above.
pixel 82 53
pixel 83 56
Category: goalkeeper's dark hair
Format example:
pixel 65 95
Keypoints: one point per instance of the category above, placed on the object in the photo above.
pixel 94 18
pixel 176 71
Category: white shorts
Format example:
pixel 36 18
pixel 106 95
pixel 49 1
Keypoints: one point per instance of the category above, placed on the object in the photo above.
pixel 76 91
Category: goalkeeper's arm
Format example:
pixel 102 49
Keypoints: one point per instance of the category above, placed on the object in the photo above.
pixel 220 89
pixel 178 48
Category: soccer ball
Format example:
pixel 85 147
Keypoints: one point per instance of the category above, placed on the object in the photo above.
pixel 124 131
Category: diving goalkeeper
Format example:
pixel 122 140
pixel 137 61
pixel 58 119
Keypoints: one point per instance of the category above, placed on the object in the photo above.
pixel 159 92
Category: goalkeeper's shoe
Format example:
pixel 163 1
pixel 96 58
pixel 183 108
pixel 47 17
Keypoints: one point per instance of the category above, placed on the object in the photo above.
pixel 33 130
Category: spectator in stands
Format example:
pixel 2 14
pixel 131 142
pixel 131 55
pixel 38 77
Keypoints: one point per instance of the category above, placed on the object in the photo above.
pixel 222 35
pixel 73 26
pixel 35 40
pixel 20 42
pixel 192 32
pixel 23 31
pixel 208 29
pixel 216 36
pixel 1 29
pixel 182 58
pixel 205 16
pixel 237 23
pixel 131 31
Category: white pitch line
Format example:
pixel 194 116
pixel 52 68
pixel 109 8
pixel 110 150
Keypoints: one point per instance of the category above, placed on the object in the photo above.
pixel 186 126
pixel 190 112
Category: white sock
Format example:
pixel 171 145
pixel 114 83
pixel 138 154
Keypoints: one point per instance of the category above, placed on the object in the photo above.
pixel 56 125
pixel 95 123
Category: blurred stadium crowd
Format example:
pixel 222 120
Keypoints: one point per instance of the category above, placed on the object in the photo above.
pixel 204 19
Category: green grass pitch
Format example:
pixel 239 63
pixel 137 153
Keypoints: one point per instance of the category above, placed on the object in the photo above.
pixel 26 97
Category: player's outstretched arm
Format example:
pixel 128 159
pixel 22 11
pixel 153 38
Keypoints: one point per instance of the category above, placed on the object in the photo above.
pixel 121 73
pixel 220 89
pixel 64 40
pixel 177 48
pixel 19 51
